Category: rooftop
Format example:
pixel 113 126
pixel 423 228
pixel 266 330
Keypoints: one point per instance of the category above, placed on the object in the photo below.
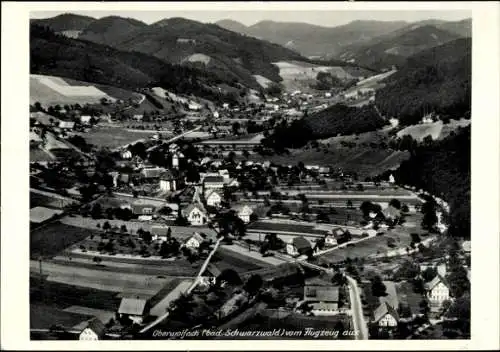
pixel 41 214
pixel 132 306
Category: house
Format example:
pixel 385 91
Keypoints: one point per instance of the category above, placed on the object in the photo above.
pixel 194 106
pixel 391 179
pixel 143 211
pixel 330 240
pixel 136 309
pixel 213 182
pixel 437 290
pixel 172 148
pixel 159 233
pixel 225 174
pixel 391 213
pixel 243 212
pixel 194 241
pixel 385 316
pixel 176 156
pixel 466 246
pixel 138 117
pixel 298 246
pixel 126 154
pixel 213 198
pixel 232 183
pixel 93 331
pixel 196 214
pixel 322 296
pixel 152 172
pixel 168 181
pixel 233 304
pixel 41 214
pixel 85 119
pixel 66 125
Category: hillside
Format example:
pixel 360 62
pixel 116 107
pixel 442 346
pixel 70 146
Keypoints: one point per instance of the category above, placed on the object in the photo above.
pixel 176 40
pixel 110 29
pixel 436 80
pixel 443 169
pixel 57 55
pixel 314 40
pixel 392 49
pixel 65 22
pixel 344 120
pixel 462 28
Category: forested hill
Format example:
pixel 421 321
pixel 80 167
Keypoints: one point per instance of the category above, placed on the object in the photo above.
pixel 436 80
pixel 54 54
pixel 443 169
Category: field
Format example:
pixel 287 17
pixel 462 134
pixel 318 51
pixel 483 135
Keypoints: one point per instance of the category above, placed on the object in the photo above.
pixel 437 129
pixel 50 90
pixel 43 317
pixel 364 161
pixel 292 228
pixel 39 155
pixel 63 296
pixel 49 240
pixel 228 259
pixel 367 247
pixel 113 137
pixel 300 75
pixel 126 283
pixel 263 81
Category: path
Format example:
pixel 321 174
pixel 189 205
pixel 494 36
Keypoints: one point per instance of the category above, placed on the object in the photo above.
pixel 357 310
pixel 189 290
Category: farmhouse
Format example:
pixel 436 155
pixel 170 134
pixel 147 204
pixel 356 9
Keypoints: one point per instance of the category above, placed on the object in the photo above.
pixel 195 214
pixel 136 309
pixel 194 241
pixel 322 295
pixel 385 316
pixel 243 212
pixel 93 331
pixel 138 117
pixel 298 246
pixel 213 198
pixel 437 290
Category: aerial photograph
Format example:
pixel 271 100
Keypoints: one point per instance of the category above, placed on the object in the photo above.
pixel 250 175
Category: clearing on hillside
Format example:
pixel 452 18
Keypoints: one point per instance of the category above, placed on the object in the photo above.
pixel 437 130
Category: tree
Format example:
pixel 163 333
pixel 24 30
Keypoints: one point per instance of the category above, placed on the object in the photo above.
pixel 424 307
pixel 236 128
pixel 378 287
pixel 230 276
pixel 349 203
pixel 96 211
pixel 253 284
pixel 395 203
pixel 106 226
pixel 123 229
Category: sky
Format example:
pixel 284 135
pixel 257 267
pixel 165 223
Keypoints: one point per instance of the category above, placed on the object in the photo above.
pixel 329 18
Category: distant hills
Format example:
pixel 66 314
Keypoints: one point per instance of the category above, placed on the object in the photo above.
pixel 230 55
pixel 375 44
pixel 313 40
pixel 394 48
pixel 65 22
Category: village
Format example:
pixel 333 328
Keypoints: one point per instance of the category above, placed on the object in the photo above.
pixel 181 229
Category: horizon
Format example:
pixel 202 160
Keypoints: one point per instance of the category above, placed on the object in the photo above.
pixel 249 18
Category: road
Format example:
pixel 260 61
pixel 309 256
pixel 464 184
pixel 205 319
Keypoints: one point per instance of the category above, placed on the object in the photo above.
pixel 173 139
pixel 357 310
pixel 190 289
